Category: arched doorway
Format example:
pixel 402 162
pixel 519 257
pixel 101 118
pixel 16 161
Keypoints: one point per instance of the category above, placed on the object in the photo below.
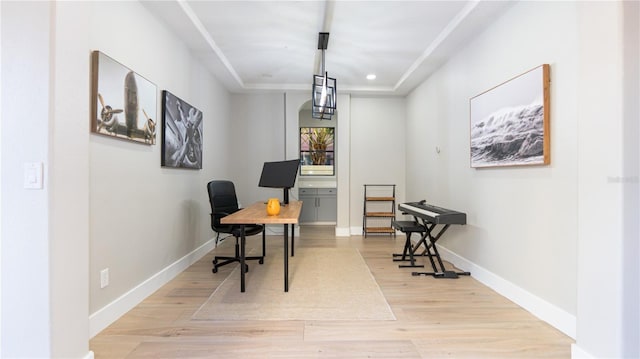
pixel 317 183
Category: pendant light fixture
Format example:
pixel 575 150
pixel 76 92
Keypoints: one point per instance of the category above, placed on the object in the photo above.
pixel 323 90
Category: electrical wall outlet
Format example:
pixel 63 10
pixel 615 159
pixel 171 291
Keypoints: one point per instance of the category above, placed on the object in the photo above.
pixel 104 278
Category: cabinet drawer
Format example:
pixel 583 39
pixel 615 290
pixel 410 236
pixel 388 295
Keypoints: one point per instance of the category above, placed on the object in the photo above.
pixel 327 191
pixel 307 191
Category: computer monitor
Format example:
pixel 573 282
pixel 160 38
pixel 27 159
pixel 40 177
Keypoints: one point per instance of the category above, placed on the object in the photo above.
pixel 280 174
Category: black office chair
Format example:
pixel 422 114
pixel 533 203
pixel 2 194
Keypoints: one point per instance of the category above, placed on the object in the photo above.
pixel 222 196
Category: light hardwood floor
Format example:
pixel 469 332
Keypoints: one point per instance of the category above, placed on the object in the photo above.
pixel 436 318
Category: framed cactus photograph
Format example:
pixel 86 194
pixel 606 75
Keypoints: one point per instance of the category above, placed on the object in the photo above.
pixel 317 154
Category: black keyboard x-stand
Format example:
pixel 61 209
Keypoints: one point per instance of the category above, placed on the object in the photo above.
pixel 429 243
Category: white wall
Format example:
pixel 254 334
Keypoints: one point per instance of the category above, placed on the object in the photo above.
pixel 0 183
pixel 105 202
pixel 560 240
pixel 521 221
pixel 69 183
pixel 258 132
pixel 144 218
pixel 26 75
pixel 343 164
pixel 134 247
pixel 608 277
pixel 631 188
pixel 376 150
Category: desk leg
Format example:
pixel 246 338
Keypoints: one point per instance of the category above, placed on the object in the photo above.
pixel 293 238
pixel 264 236
pixel 243 241
pixel 286 258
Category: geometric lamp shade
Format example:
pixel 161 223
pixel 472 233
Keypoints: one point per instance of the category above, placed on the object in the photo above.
pixel 323 96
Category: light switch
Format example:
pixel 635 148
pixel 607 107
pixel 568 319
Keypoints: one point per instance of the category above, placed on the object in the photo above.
pixel 33 175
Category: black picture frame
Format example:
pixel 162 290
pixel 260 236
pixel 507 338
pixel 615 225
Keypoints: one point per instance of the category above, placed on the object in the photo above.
pixel 182 135
pixel 317 151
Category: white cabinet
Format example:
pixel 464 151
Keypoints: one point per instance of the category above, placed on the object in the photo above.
pixel 309 211
pixel 319 205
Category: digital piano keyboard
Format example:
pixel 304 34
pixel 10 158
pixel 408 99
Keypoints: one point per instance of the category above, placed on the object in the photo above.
pixel 433 214
pixel 430 216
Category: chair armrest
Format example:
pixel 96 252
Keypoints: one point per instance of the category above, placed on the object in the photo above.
pixel 216 216
pixel 220 214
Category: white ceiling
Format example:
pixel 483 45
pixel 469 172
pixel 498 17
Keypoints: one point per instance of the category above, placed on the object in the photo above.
pixel 272 45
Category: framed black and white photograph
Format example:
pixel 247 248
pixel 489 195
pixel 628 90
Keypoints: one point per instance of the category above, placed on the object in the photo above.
pixel 182 133
pixel 510 122
pixel 123 103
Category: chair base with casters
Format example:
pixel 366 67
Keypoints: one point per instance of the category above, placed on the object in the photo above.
pixel 219 261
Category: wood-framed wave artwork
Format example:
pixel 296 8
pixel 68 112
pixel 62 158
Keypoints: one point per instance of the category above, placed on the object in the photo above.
pixel 123 103
pixel 510 122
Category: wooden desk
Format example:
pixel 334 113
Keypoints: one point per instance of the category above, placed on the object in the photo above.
pixel 257 214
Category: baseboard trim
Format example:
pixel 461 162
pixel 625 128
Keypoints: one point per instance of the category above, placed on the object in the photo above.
pixel 579 353
pixel 539 307
pixel 103 317
pixel 342 232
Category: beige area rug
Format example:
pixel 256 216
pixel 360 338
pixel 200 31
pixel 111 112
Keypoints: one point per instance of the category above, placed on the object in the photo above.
pixel 324 284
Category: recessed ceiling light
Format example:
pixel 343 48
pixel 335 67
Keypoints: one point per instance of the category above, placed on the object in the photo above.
pixel 371 76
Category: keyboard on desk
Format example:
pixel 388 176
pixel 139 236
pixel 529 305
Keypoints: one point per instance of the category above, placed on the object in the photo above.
pixel 433 214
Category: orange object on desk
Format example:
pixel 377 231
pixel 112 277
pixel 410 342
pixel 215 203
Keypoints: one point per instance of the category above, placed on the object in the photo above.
pixel 273 206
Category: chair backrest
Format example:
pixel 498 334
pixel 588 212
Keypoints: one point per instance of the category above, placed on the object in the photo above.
pixel 222 197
